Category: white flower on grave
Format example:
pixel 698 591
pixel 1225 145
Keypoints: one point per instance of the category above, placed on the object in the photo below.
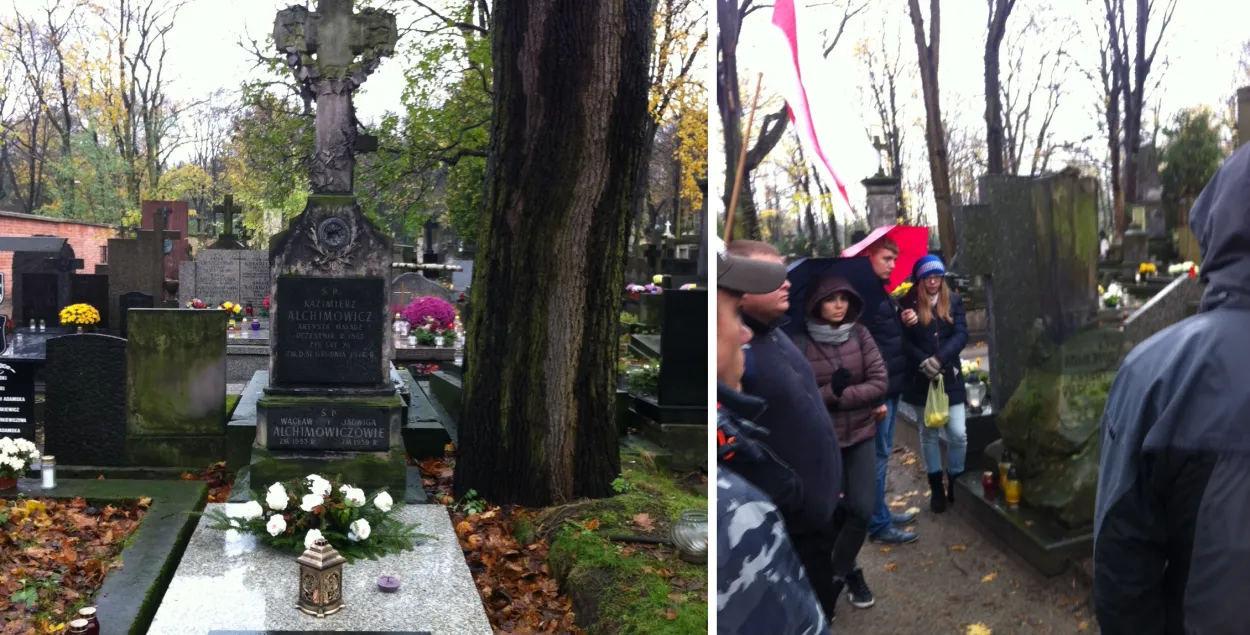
pixel 359 530
pixel 383 502
pixel 311 537
pixel 319 486
pixel 251 510
pixel 310 501
pixel 7 446
pixel 355 497
pixel 276 525
pixel 15 463
pixel 277 497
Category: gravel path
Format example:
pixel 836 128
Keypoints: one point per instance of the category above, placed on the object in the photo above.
pixel 955 577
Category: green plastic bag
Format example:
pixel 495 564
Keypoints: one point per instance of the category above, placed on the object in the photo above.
pixel 937 408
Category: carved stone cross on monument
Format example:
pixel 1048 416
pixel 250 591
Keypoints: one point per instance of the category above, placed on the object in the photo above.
pixel 337 37
pixel 65 265
pixel 880 147
pixel 227 239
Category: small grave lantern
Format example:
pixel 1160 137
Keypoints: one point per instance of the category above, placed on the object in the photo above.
pixel 321 580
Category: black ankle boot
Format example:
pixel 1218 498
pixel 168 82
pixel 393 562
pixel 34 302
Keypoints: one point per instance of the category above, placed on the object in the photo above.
pixel 937 493
pixel 950 485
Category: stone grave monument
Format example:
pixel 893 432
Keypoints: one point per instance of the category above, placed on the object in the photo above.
pixel 17 399
pixel 411 285
pixel 137 264
pixel 133 300
pixel 41 279
pixel 175 388
pixel 330 406
pixel 225 271
pixel 1036 244
pixel 85 410
pixel 169 216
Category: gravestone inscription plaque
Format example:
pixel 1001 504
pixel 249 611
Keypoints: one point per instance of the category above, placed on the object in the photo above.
pixel 17 400
pixel 329 330
pixel 328 428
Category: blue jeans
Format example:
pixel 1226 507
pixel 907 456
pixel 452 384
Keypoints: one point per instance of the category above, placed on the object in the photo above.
pixel 880 520
pixel 956 433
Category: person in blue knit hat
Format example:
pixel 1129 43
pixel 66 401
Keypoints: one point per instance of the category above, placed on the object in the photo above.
pixel 933 345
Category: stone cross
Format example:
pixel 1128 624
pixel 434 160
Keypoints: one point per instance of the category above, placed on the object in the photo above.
pixel 337 37
pixel 880 147
pixel 227 209
pixel 65 265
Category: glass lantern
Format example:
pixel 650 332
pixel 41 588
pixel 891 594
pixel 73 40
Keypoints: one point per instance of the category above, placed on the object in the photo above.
pixel 976 396
pixel 321 580
pixel 689 534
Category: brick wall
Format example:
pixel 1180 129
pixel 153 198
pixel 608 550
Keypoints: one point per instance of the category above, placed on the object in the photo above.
pixel 87 239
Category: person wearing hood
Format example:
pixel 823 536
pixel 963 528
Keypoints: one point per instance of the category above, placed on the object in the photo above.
pixel 1171 550
pixel 933 345
pixel 761 584
pixel 853 380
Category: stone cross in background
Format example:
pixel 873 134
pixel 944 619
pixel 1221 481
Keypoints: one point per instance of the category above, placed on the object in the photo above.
pixel 337 36
pixel 227 239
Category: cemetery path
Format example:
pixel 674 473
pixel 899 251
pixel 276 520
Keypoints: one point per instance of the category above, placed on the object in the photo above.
pixel 956 576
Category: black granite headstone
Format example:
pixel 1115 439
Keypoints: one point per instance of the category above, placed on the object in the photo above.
pixel 17 399
pixel 39 298
pixel 93 289
pixel 683 340
pixel 85 408
pixel 133 300
pixel 325 428
pixel 329 330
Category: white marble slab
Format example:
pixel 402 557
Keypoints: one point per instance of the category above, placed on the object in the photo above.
pixel 229 581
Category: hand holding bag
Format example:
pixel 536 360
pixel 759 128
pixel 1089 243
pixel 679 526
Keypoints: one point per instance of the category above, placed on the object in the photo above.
pixel 937 411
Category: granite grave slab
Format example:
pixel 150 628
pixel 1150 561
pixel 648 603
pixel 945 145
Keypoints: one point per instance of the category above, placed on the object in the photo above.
pixel 228 569
pixel 225 275
pixel 85 406
pixel 329 330
pixel 17 399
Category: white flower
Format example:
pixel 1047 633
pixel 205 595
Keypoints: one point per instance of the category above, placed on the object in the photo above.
pixel 277 497
pixel 355 497
pixel 310 501
pixel 251 510
pixel 276 525
pixel 312 536
pixel 383 502
pixel 359 530
pixel 318 485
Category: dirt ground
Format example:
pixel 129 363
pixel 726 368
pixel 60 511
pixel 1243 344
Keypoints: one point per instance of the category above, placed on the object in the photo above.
pixel 957 577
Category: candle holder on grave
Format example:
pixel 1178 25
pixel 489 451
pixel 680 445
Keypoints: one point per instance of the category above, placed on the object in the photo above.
pixel 320 580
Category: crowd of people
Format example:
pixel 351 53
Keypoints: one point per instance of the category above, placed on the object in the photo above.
pixel 805 429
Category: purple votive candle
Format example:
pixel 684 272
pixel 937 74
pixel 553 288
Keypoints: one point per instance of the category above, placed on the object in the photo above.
pixel 388 584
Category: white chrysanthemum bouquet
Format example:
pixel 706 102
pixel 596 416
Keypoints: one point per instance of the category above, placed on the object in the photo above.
pixel 296 513
pixel 16 456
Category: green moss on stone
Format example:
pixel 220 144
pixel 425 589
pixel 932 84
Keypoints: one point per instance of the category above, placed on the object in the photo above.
pixel 368 470
pixel 381 401
pixel 171 356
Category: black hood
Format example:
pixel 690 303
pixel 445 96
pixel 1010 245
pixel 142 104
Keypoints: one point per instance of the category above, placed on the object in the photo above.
pixel 1220 219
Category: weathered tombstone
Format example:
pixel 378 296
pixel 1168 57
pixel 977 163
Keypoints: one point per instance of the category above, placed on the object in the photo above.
pixel 1036 243
pixel 85 407
pixel 132 300
pixel 330 403
pixel 175 388
pixel 883 192
pixel 136 264
pixel 1136 248
pixel 170 217
pixel 411 285
pixel 41 279
pixel 17 399
pixel 225 275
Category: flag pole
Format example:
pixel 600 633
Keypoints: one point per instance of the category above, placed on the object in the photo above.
pixel 742 159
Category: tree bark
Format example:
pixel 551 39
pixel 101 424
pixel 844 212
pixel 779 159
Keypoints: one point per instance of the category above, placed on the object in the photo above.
pixel 996 29
pixel 935 136
pixel 570 112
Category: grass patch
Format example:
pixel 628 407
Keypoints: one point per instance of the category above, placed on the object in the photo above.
pixel 624 588
pixel 231 402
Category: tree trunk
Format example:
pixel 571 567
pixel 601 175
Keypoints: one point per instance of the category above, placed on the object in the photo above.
pixel 570 113
pixel 999 11
pixel 935 136
pixel 729 102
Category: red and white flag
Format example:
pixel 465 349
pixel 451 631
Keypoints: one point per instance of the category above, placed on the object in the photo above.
pixel 787 76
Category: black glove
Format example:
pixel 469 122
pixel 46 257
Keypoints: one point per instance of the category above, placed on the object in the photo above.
pixel 840 380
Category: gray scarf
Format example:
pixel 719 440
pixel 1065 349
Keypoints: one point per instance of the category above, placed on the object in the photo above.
pixel 828 333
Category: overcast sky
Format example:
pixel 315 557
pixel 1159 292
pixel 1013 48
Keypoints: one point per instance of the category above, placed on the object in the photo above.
pixel 1202 46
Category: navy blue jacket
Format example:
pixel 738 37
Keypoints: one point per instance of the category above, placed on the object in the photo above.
pixel 886 328
pixel 1171 553
pixel 944 339
pixel 800 432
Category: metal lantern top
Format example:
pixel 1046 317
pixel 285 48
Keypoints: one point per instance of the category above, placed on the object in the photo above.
pixel 321 556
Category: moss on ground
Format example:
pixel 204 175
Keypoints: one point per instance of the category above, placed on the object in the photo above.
pixel 231 402
pixel 623 589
